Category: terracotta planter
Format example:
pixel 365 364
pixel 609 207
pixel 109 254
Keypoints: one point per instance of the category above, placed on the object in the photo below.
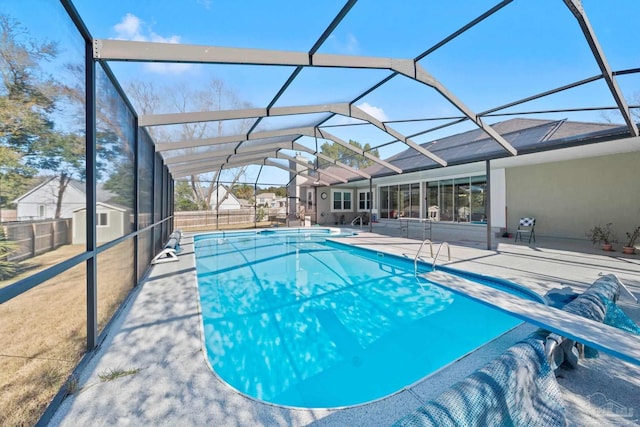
pixel 607 247
pixel 628 250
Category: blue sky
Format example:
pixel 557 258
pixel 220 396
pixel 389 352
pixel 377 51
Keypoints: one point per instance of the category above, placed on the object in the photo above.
pixel 526 48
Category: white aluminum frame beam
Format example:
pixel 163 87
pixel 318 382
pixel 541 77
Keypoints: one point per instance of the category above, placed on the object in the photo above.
pixel 210 168
pixel 228 151
pixel 124 50
pixel 338 163
pixel 229 160
pixel 358 113
pixel 257 161
pixel 204 142
pixel 243 113
pixel 268 162
pixel 139 51
pixel 423 76
pixel 575 6
pixel 326 135
pixel 225 158
pixel 213 160
pixel 281 155
pixel 343 109
pixel 293 132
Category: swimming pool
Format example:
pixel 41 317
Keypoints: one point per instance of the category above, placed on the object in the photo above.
pixel 293 319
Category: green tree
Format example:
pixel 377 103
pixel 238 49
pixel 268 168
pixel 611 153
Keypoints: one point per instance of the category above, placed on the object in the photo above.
pixel 243 191
pixel 346 156
pixel 120 184
pixel 15 177
pixel 27 98
pixel 184 198
pixel 62 153
pixel 278 191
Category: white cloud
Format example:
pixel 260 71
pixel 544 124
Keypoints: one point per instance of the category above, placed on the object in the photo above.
pixel 159 39
pixel 165 68
pixel 376 112
pixel 342 120
pixel 348 46
pixel 352 44
pixel 205 3
pixel 133 28
pixel 129 28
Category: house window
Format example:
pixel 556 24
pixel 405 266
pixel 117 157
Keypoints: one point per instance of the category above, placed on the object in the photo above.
pixel 41 211
pixel 457 200
pixel 364 200
pixel 341 200
pixel 102 219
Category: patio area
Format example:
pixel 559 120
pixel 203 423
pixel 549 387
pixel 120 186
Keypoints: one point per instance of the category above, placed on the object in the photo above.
pixel 156 340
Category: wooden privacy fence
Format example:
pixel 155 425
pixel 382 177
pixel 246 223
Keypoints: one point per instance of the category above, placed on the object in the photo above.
pixel 36 237
pixel 184 220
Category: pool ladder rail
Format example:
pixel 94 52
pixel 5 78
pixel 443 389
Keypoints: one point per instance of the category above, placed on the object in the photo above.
pixel 434 258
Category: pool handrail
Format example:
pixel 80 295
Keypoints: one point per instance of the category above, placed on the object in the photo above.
pixel 415 260
pixel 433 265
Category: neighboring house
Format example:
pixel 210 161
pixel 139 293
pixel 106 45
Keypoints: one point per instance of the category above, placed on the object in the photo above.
pixel 566 185
pixel 280 202
pixel 265 199
pixel 40 202
pixel 271 201
pixel 229 201
pixel 244 203
pixel 111 222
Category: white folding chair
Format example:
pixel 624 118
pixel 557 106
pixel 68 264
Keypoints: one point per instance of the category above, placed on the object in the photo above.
pixel 526 226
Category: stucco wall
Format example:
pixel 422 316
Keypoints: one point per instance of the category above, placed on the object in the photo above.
pixel 569 197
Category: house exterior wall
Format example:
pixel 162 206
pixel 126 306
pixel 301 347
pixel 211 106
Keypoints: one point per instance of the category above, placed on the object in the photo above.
pixel 27 207
pixel 229 203
pixel 567 198
pixel 323 207
pixel 266 198
pixel 327 215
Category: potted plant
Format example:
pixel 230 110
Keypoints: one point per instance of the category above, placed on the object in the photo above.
pixel 630 247
pixel 602 234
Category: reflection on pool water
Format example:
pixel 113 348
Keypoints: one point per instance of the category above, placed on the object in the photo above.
pixel 293 319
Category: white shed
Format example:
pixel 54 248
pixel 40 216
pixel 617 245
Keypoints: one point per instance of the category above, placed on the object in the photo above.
pixel 111 222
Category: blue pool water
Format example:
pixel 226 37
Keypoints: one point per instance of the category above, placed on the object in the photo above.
pixel 293 319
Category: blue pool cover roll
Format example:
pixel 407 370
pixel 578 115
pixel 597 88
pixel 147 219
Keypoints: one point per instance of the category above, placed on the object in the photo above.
pixel 518 388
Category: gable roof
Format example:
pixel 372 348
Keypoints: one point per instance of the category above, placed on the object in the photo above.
pixel 102 194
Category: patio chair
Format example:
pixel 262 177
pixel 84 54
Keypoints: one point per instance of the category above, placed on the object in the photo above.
pixel 526 226
pixel 434 213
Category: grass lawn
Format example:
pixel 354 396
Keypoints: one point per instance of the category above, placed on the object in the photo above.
pixel 43 334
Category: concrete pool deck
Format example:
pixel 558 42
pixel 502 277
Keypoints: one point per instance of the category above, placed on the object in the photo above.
pixel 157 336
